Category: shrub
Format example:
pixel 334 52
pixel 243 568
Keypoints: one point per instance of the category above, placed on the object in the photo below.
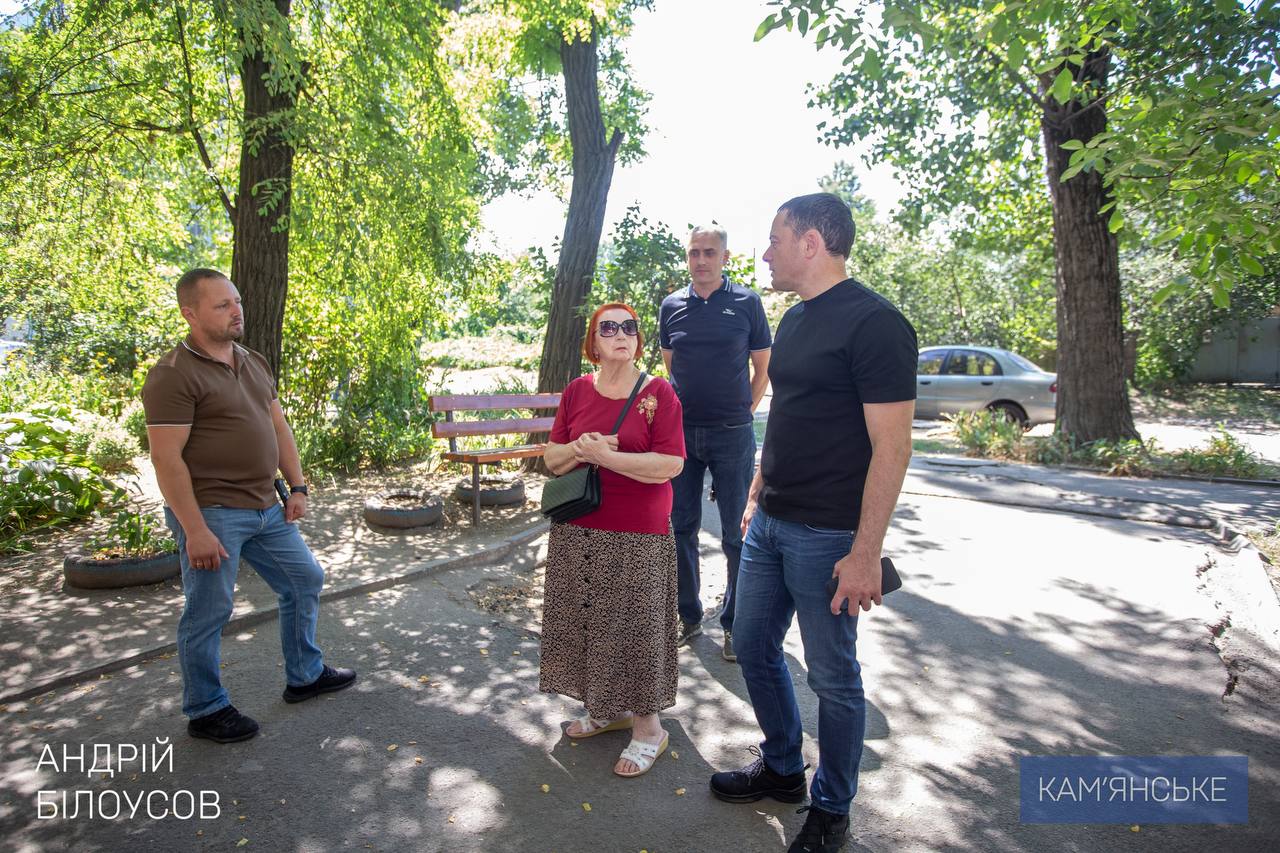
pixel 987 434
pixel 1223 456
pixel 43 483
pixel 1124 458
pixel 134 419
pixel 132 533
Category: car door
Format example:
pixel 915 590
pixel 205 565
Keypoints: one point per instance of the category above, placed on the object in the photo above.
pixel 928 369
pixel 969 381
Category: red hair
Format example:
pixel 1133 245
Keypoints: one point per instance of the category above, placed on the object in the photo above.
pixel 589 338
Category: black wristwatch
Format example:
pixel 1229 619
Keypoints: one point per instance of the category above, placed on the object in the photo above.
pixel 294 490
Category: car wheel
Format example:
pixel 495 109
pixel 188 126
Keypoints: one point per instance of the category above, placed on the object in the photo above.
pixel 1012 411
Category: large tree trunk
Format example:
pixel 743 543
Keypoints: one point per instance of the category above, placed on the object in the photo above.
pixel 593 159
pixel 260 255
pixel 1093 401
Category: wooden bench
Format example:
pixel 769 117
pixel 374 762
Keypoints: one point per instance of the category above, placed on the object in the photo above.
pixel 453 429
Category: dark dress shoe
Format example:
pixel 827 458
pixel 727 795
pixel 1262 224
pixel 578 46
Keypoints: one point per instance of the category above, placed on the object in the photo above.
pixel 225 725
pixel 756 781
pixel 331 680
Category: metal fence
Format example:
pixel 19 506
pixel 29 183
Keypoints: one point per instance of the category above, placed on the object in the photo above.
pixel 1248 352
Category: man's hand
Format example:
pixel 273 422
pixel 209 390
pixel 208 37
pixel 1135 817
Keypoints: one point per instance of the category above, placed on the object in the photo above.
pixel 296 508
pixel 859 575
pixel 753 498
pixel 204 551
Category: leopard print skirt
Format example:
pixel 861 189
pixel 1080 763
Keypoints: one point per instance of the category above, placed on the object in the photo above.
pixel 608 620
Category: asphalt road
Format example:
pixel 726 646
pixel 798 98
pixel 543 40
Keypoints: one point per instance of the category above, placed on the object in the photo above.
pixel 1018 632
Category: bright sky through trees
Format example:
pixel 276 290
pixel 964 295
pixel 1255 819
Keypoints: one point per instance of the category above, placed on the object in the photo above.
pixel 731 136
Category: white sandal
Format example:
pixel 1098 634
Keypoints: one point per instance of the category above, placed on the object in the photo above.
pixel 590 727
pixel 642 754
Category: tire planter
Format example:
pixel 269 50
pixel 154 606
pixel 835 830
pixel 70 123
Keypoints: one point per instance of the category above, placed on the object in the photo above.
pixel 415 508
pixel 85 572
pixel 495 490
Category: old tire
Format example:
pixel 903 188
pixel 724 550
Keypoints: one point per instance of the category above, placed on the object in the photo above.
pixel 419 510
pixel 84 572
pixel 495 490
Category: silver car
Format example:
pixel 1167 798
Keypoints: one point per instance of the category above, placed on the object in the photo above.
pixel 951 379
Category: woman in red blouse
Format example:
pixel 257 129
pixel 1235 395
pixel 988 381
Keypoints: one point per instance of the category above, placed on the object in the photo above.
pixel 608 622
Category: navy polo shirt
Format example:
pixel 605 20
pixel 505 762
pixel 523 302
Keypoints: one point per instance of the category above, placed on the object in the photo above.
pixel 711 341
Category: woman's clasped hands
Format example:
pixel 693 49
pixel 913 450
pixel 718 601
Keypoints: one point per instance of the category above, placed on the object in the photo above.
pixel 593 447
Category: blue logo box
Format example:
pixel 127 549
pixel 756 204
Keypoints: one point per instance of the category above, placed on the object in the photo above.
pixel 1134 789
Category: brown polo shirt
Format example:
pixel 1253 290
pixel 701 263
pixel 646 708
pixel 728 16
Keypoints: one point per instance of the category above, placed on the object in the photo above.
pixel 232 451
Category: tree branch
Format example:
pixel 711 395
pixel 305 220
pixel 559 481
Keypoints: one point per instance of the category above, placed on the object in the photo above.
pixel 191 118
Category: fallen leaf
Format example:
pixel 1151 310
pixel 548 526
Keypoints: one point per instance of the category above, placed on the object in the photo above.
pixel 242 842
pixel 516 652
pixel 422 679
pixel 546 788
pixel 675 754
pixel 242 817
pixel 484 651
pixel 392 748
pixel 1135 828
pixel 573 743
pixel 586 807
pixel 679 792
pixel 417 760
pixel 282 802
pixel 451 817
pixel 199 832
pixel 412 742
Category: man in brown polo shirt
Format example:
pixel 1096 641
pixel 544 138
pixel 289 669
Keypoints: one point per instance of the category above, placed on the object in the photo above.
pixel 218 437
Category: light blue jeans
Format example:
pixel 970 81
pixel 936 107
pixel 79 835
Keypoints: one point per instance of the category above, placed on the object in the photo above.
pixel 277 553
pixel 784 571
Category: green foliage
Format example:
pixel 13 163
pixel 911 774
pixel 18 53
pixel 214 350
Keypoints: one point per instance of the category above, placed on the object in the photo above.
pixel 43 483
pixel 640 264
pixel 987 434
pixel 132 533
pixel 953 94
pixel 1223 456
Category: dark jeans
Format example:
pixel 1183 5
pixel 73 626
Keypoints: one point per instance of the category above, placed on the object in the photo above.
pixel 729 452
pixel 785 568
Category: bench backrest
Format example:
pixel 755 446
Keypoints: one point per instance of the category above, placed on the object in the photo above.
pixel 451 429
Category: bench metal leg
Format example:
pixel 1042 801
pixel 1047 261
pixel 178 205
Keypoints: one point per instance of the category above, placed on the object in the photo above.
pixel 475 495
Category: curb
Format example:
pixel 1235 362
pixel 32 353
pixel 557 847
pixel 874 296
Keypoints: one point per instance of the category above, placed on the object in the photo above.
pixel 946 460
pixel 491 554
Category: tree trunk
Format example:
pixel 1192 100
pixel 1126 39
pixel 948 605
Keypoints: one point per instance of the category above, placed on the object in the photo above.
pixel 260 254
pixel 593 160
pixel 1093 401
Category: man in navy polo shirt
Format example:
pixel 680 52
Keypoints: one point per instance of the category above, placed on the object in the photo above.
pixel 709 332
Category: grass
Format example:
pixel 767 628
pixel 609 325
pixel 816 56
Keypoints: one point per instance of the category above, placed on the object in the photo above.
pixel 988 435
pixel 504 346
pixel 1209 403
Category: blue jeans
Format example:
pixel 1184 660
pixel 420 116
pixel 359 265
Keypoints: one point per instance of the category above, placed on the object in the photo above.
pixel 785 568
pixel 276 551
pixel 730 454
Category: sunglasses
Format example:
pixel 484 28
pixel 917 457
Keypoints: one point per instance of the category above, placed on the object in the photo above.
pixel 608 328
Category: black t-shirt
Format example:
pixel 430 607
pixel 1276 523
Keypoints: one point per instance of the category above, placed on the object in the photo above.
pixel 831 354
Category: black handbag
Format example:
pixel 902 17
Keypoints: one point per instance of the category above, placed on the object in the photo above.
pixel 577 493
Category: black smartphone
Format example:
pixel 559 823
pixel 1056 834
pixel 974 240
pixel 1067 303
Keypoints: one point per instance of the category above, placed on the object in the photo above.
pixel 889 581
pixel 282 489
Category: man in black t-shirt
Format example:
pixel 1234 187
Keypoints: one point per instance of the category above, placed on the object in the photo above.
pixel 835 453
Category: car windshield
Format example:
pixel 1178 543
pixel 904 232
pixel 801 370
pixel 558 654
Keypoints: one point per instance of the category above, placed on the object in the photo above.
pixel 1022 362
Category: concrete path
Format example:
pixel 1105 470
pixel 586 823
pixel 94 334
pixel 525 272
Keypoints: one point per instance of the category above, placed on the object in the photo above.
pixel 1019 631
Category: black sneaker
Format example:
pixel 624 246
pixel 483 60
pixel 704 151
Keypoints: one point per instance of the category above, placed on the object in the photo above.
pixel 688 630
pixel 330 680
pixel 823 832
pixel 756 781
pixel 225 725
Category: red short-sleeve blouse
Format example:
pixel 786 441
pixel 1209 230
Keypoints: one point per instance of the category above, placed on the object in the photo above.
pixel 653 424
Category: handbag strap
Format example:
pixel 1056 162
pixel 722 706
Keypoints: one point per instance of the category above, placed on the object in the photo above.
pixel 627 406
